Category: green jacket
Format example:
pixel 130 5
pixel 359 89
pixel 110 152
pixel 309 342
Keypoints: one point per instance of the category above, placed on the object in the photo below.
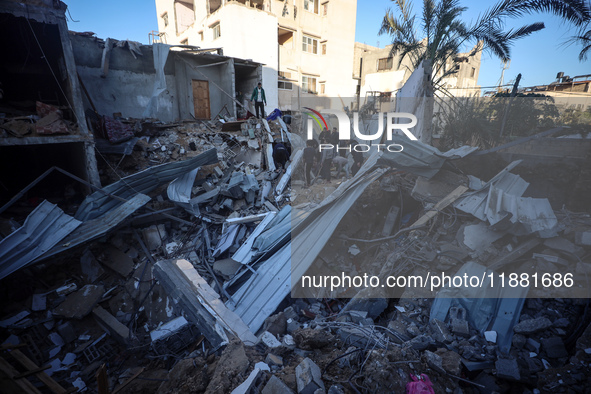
pixel 254 95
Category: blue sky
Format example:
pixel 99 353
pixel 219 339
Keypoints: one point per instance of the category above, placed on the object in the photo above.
pixel 538 57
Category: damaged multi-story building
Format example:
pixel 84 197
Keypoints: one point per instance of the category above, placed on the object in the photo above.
pixel 306 46
pixel 41 95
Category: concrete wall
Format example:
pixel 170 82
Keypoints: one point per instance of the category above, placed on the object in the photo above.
pixel 251 33
pixel 129 83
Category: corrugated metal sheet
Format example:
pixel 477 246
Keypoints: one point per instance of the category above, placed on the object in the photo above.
pixel 95 228
pixel 489 307
pixel 46 226
pixel 98 203
pixel 500 202
pixel 419 158
pixel 263 291
pixel 245 253
pixel 180 189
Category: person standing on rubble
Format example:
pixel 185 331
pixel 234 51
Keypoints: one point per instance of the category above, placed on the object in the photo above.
pixel 259 99
pixel 324 136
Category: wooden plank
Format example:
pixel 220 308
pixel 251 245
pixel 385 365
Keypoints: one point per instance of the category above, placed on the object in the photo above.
pixel 11 372
pixel 102 380
pixel 42 376
pixel 450 198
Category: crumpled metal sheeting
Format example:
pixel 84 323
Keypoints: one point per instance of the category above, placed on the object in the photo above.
pixel 419 158
pixel 262 293
pixel 180 189
pixel 526 214
pixel 476 203
pixel 489 307
pixel 99 203
pixel 46 226
pixel 500 202
pixel 96 228
pixel 245 253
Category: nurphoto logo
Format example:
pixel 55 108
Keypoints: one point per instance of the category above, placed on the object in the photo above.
pixel 345 130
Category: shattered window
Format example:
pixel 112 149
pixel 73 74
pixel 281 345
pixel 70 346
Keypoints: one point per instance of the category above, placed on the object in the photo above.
pixel 165 19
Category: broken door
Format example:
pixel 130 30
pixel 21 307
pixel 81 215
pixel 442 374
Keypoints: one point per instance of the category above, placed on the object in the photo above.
pixel 201 99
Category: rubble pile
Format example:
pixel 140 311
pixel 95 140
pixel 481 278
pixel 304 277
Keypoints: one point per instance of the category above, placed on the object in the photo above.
pixel 176 277
pixel 46 119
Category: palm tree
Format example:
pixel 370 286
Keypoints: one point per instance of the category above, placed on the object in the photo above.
pixel 438 33
pixel 584 39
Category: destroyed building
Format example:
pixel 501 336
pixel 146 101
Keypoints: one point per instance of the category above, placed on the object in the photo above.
pixel 182 273
pixel 41 95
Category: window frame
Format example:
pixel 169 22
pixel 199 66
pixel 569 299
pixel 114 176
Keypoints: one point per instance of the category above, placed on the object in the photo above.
pixel 306 44
pixel 164 17
pixel 306 83
pixel 216 27
pixel 388 63
pixel 315 5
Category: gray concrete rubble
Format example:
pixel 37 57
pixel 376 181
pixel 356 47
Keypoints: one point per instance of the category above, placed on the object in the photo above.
pixel 182 272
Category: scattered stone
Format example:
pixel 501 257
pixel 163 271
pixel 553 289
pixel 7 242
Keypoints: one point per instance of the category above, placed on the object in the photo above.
pixel 80 303
pixel 450 361
pixel 276 386
pixel 531 326
pixel 519 341
pixel 532 345
pixel 491 336
pixel 270 340
pixel 336 389
pixel 276 324
pixel 534 365
pixel 308 377
pixel 460 327
pixel 554 347
pixel 562 322
pixel 421 342
pixel 434 361
pixel 440 331
pixel 309 339
pixel 273 359
pixel 507 369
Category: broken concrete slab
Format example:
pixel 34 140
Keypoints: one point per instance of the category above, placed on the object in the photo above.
pixel 276 386
pixel 507 369
pixel 226 268
pixel 201 304
pixel 111 325
pixel 117 260
pixel 308 377
pixel 80 303
pixel 531 326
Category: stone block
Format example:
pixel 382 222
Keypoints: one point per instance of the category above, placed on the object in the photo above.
pixel 308 377
pixel 507 369
pixel 531 326
pixel 276 386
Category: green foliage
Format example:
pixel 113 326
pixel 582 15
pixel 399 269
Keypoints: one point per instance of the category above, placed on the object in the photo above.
pixel 477 121
pixel 438 32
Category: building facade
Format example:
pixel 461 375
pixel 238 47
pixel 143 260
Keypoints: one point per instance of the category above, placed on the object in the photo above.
pixel 306 46
pixel 378 74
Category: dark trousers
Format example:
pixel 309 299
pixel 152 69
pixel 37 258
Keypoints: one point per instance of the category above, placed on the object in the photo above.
pixel 308 168
pixel 257 105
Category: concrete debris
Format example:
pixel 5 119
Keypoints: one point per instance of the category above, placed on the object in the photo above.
pixel 308 377
pixel 189 259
